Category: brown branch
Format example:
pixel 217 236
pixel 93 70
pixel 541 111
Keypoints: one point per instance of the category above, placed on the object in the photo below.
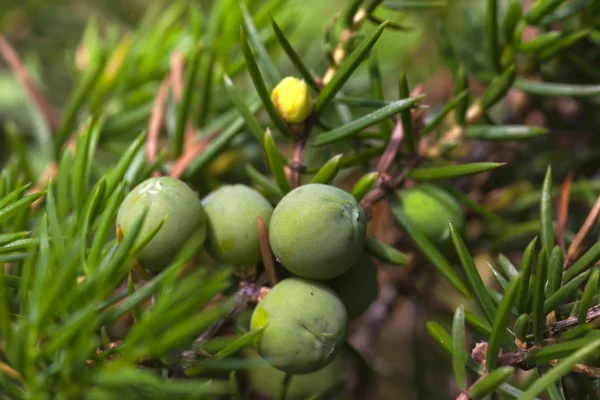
pixel 155 122
pixel 11 57
pixel 576 247
pixel 297 164
pixel 563 210
pixel 385 162
pixel 267 255
pixel 592 314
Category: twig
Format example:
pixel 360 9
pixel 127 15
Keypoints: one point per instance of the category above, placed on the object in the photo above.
pixel 563 210
pixel 267 255
pixel 592 314
pixel 9 371
pixel 12 59
pixel 297 164
pixel 155 122
pixel 576 247
pixel 392 148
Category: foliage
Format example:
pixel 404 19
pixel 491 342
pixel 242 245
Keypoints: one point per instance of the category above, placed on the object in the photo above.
pixel 186 92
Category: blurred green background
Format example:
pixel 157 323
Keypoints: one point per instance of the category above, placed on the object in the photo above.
pixel 46 32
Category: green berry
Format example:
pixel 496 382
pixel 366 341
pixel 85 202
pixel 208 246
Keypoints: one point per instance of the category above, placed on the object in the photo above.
pixel 318 231
pixel 306 325
pixel 267 380
pixel 165 199
pixel 232 213
pixel 357 288
pixel 429 208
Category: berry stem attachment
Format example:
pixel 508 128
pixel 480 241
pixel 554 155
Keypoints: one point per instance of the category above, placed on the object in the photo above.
pixel 267 254
pixel 297 164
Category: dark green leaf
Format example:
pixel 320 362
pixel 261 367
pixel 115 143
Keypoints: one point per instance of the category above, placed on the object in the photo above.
pixel 267 65
pixel 453 171
pixel 364 185
pixel 555 271
pixel 500 322
pixel 328 171
pixel 246 340
pixel 547 232
pixel 414 4
pixel 478 323
pixel 294 57
pixel 513 16
pixel 509 269
pixel 17 206
pixel 565 42
pixel 78 97
pixel 264 183
pixel 540 42
pixel 522 327
pixel 491 382
pixel 384 252
pixel 556 351
pixel 183 108
pixel 557 89
pixel 275 163
pixel 585 262
pixel 498 88
pixel 525 268
pixel 459 356
pixel 504 132
pixel 439 117
pixel 115 177
pixel 462 86
pixel 243 109
pixel 260 86
pixel 377 93
pixel 587 300
pixel 538 316
pixel 356 126
pixel 565 291
pixel 492 32
pixel 540 9
pixel 479 290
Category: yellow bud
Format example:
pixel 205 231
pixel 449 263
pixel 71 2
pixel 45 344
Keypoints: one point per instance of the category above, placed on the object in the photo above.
pixel 292 100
